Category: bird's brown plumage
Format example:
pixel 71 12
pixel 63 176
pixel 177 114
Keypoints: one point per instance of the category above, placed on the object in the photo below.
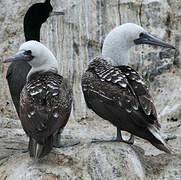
pixel 119 95
pixel 45 106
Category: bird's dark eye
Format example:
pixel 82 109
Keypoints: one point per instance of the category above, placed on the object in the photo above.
pixel 28 52
pixel 141 35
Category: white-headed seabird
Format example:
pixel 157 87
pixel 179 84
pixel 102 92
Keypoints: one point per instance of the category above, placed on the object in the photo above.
pixel 117 93
pixel 36 15
pixel 17 72
pixel 46 99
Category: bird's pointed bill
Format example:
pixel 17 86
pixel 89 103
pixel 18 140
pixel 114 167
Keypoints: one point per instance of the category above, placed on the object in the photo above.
pixel 19 56
pixel 57 13
pixel 149 39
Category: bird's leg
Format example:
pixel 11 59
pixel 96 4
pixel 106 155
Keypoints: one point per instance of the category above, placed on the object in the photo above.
pixel 57 141
pixel 25 150
pixel 19 149
pixel 119 136
pixel 118 139
pixel 131 139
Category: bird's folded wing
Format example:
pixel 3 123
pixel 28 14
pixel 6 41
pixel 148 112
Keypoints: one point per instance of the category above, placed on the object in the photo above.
pixel 141 90
pixel 112 85
pixel 45 106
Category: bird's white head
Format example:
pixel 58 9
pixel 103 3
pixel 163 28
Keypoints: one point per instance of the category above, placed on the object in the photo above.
pixel 37 55
pixel 118 42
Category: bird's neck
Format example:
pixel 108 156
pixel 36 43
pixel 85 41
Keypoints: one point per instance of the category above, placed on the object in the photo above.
pixel 116 47
pixel 43 69
pixel 32 33
pixel 47 63
pixel 116 56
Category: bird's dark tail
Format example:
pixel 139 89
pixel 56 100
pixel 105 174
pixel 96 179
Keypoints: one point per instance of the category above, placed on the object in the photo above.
pixel 37 150
pixel 162 147
pixel 159 142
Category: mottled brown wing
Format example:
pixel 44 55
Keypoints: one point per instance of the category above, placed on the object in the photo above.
pixel 141 90
pixel 110 87
pixel 45 105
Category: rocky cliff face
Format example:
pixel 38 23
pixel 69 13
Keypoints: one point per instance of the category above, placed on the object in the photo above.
pixel 78 36
pixel 74 39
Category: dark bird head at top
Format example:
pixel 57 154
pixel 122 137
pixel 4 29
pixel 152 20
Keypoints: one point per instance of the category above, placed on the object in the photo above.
pixel 36 15
pixel 118 42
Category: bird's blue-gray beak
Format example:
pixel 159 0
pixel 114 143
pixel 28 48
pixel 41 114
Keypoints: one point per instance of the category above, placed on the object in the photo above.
pixel 146 38
pixel 20 56
pixel 57 13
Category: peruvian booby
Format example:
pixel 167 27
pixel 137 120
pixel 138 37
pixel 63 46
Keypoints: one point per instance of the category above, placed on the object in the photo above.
pixel 36 15
pixel 17 72
pixel 46 99
pixel 117 93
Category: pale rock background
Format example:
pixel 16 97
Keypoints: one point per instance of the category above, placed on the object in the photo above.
pixel 75 38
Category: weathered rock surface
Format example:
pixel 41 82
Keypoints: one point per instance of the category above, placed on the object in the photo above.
pixel 74 39
pixel 86 160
